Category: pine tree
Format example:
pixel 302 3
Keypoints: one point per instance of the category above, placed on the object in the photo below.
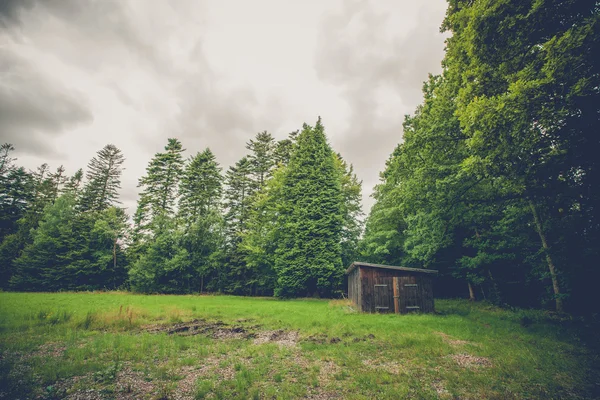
pixel 200 212
pixel 200 189
pixel 159 187
pixel 43 263
pixel 308 256
pixel 254 273
pixel 238 198
pixel 16 191
pixel 103 179
pixel 261 158
pixel 284 149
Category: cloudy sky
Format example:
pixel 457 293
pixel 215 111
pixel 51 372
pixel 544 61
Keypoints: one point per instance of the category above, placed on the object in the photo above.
pixel 76 75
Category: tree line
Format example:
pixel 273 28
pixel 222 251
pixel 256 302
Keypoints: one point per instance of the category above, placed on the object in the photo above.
pixel 496 183
pixel 284 220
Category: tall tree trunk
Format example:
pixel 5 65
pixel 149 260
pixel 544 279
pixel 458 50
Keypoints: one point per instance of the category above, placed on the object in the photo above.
pixel 471 292
pixel 551 267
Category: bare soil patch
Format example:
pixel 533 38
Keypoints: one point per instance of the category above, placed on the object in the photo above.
pixel 216 329
pixel 469 361
pixel 281 337
pixel 392 367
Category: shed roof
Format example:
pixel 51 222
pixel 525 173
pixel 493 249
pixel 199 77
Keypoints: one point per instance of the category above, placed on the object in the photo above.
pixel 357 264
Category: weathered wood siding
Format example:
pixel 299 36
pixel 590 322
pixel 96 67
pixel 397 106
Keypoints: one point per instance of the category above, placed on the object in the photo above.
pixel 372 290
pixel 416 294
pixel 354 287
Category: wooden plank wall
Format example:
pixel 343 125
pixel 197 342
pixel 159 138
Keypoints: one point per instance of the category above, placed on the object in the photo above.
pixel 354 287
pixel 369 297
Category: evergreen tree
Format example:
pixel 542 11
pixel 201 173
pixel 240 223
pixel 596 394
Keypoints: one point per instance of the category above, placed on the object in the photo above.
pixel 73 185
pixel 32 192
pixel 308 255
pixel 103 179
pixel 43 263
pixel 200 211
pixel 284 149
pixel 238 198
pixel 200 188
pixel 261 158
pixel 16 192
pixel 351 211
pixel 159 187
pixel 254 273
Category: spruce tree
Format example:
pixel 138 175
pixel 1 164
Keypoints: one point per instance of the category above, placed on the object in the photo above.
pixel 351 211
pixel 238 198
pixel 43 263
pixel 200 188
pixel 308 257
pixel 261 158
pixel 284 149
pixel 159 186
pixel 103 179
pixel 200 212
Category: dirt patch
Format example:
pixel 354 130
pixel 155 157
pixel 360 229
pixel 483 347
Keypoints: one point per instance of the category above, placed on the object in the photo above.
pixel 440 389
pixel 450 340
pixel 391 366
pixel 468 361
pixel 132 385
pixel 281 337
pixel 216 330
pixel 327 369
pixel 47 350
pixel 322 338
pixel 322 395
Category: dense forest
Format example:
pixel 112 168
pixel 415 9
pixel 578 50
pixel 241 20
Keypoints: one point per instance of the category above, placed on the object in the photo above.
pixel 495 184
pixel 283 220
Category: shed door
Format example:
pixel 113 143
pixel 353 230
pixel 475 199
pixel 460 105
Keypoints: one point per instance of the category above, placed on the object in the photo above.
pixel 409 291
pixel 383 295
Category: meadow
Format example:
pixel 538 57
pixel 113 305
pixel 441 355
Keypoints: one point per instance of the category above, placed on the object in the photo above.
pixel 125 346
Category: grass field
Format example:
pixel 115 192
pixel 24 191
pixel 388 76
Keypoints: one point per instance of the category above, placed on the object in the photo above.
pixel 119 345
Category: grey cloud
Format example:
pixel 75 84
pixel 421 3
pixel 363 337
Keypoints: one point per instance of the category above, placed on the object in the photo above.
pixel 98 31
pixel 10 11
pixel 35 109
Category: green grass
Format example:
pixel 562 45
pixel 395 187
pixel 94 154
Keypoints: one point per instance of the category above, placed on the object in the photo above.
pixel 53 345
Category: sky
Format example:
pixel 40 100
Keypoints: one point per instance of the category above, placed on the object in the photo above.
pixel 76 75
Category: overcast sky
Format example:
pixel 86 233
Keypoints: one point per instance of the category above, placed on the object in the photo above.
pixel 76 75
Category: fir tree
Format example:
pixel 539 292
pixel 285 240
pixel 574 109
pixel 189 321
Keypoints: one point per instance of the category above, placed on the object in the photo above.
pixel 284 149
pixel 103 179
pixel 159 186
pixel 308 255
pixel 261 158
pixel 200 188
pixel 351 211
pixel 238 197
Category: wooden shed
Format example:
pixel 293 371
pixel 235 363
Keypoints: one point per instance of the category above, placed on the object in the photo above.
pixel 387 288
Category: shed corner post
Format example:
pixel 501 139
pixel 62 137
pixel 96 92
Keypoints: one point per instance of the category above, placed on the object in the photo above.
pixel 396 295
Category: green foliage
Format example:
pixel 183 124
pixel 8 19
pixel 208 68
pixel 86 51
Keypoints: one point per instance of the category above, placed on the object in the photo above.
pixel 159 189
pixel 351 211
pixel 103 180
pixel 492 184
pixel 308 254
pixel 200 188
pixel 72 251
